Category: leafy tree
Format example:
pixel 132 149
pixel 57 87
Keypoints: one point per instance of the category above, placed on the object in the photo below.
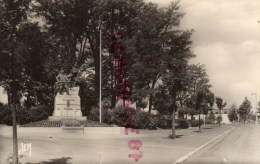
pixel 67 24
pixel 200 103
pixel 232 115
pixel 176 62
pixel 220 104
pixel 244 110
pixel 251 116
pixel 211 100
pixel 12 72
pixel 204 102
pixel 205 111
pixel 153 26
pixel 38 88
pixel 211 117
pixel 183 111
pixel 75 29
pixel 197 80
pixel 192 112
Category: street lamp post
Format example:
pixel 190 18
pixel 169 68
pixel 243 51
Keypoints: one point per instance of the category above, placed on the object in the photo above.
pixel 256 118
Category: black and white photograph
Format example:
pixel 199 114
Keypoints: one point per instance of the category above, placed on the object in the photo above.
pixel 129 81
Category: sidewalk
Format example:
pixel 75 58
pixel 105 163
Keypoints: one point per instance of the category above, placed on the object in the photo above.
pixel 111 149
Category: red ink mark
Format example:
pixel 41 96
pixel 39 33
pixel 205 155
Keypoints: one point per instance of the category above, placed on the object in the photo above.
pixel 125 85
pixel 136 156
pixel 123 92
pixel 127 102
pixel 134 144
pixel 123 88
pixel 120 73
pixel 132 130
pixel 115 36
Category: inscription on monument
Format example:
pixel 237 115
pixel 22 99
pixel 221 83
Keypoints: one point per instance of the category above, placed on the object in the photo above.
pixel 68 105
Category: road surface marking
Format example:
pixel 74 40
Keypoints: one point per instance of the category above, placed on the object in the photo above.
pixel 180 160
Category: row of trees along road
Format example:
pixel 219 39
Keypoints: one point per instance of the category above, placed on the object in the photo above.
pixel 243 113
pixel 40 37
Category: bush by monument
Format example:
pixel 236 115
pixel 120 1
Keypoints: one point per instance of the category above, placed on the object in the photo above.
pixel 106 115
pixel 35 113
pixel 125 117
pixel 25 115
pixel 5 115
pixel 164 122
pixel 183 124
pixel 146 120
pixel 195 123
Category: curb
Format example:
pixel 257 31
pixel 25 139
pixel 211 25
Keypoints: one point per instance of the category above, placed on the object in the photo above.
pixel 180 160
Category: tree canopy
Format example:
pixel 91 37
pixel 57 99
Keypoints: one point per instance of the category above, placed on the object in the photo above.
pixel 232 115
pixel 244 110
pixel 39 38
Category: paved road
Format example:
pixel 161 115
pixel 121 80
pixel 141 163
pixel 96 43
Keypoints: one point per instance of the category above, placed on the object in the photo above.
pixel 68 148
pixel 241 146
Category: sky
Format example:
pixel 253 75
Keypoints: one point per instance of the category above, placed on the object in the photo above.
pixel 227 41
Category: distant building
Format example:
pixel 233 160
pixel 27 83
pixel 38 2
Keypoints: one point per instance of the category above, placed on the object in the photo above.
pixel 224 114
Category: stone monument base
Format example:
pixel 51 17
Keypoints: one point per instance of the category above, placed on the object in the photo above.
pixel 67 106
pixel 58 118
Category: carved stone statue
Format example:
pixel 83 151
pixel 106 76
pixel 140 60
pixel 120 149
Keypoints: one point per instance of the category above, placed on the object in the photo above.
pixel 63 83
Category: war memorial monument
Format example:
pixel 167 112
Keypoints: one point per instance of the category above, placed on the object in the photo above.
pixel 67 100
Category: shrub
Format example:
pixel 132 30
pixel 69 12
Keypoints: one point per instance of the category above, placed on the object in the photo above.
pixel 35 113
pixel 164 122
pixel 219 119
pixel 208 121
pixel 106 115
pixel 127 116
pixel 142 120
pixel 183 124
pixel 130 118
pixel 145 120
pixel 24 115
pixel 195 123
pixel 5 115
pixel 123 116
pixel 153 122
pixel 115 116
pixel 94 114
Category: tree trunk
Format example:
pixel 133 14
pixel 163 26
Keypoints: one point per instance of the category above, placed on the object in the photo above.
pixel 173 124
pixel 199 120
pixel 173 106
pixel 150 103
pixel 220 117
pixel 211 119
pixel 151 96
pixel 12 104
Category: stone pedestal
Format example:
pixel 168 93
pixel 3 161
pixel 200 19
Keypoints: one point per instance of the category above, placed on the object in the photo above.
pixel 67 105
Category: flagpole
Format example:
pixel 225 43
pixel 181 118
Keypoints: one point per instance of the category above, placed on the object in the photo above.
pixel 100 71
